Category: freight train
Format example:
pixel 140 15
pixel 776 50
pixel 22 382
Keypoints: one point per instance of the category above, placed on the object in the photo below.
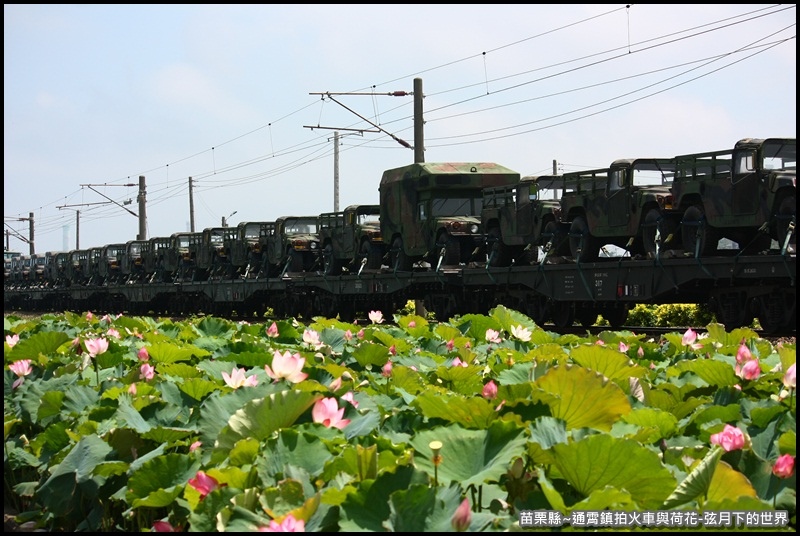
pixel 714 228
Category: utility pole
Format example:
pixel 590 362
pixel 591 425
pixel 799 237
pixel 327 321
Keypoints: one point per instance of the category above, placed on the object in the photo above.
pixel 191 206
pixel 142 198
pixel 30 227
pixel 336 171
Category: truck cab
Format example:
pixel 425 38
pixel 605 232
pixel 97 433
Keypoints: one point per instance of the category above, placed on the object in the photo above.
pixel 519 221
pixel 295 245
pixel 620 205
pixel 746 194
pixel 431 212
pixel 351 239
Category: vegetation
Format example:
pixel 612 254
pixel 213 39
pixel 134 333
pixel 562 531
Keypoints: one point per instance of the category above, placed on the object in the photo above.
pixel 136 423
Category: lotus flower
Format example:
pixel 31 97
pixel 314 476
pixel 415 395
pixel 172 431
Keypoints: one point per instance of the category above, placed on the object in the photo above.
pixel 326 411
pixel 286 366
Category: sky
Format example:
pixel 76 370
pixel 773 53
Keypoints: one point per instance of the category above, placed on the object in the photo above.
pixel 237 108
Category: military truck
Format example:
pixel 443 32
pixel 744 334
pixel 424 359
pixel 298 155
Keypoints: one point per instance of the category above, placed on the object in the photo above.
pixel 351 239
pixel 180 259
pixel 621 205
pixel 132 261
pixel 431 212
pixel 746 194
pixel 248 254
pixel 76 267
pixel 110 264
pixel 214 253
pixel 56 269
pixel 295 245
pixel 155 260
pixel 519 221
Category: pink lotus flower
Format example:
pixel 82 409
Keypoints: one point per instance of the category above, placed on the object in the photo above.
pixel 326 412
pixel 11 340
pixel 623 347
pixel 493 336
pixel 272 331
pixel 412 324
pixel 490 390
pixel 164 526
pixel 289 524
pixel 743 355
pixel 749 371
pixel 143 354
pixel 311 338
pixel 286 366
pixel 360 334
pixel 462 517
pixel 784 466
pixel 113 333
pixel 689 338
pixel 522 333
pixel 96 347
pixel 132 389
pixel 21 368
pixel 89 315
pixel 730 438
pixel 386 370
pixel 349 397
pixel 450 345
pixel 348 335
pixel 194 446
pixel 458 363
pixel 203 483
pixel 237 378
pixel 790 378
pixel 392 350
pixel 146 372
pixel 376 317
pixel 640 351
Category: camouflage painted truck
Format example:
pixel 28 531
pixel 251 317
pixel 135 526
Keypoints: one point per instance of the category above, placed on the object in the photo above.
pixel 248 254
pixel 519 221
pixel 622 205
pixel 351 239
pixel 431 212
pixel 214 253
pixel 746 194
pixel 295 245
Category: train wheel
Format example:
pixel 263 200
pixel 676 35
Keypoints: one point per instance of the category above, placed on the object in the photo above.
pixel 563 314
pixel 582 245
pixel 697 236
pixel 331 265
pixel 498 252
pixel 787 219
pixel 586 316
pixel 616 316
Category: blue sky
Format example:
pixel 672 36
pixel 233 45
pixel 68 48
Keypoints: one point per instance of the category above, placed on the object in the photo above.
pixel 97 95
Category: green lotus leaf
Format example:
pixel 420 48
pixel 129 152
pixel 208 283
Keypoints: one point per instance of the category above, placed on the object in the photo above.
pixel 599 461
pixel 260 417
pixel 584 399
pixel 471 457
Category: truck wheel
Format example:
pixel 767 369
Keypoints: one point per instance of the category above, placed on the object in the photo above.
pixel 331 265
pixel 698 237
pixel 787 214
pixel 399 260
pixel 373 254
pixel 582 245
pixel 498 252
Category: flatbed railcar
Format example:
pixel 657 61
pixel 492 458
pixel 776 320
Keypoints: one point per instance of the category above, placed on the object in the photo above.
pixel 737 289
